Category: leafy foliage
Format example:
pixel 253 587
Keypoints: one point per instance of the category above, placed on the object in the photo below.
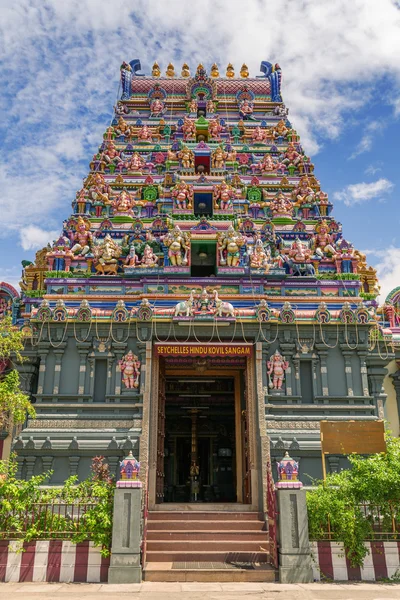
pixel 336 505
pixel 29 511
pixel 14 404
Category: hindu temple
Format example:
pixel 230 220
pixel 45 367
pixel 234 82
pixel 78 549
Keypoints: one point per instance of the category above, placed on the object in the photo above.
pixel 201 308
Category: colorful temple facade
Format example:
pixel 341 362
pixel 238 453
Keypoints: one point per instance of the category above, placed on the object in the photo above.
pixel 202 307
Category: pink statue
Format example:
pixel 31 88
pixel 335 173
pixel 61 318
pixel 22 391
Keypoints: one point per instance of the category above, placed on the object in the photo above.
pixel 111 154
pixel 210 107
pixel 259 135
pixel 323 240
pixel 223 195
pixel 246 109
pixel 280 205
pixel 145 134
pixel 82 238
pixel 193 106
pixel 268 164
pixel 299 252
pixel 149 259
pixel 130 367
pixel 157 108
pixel 188 128
pixel 123 203
pixel 291 156
pixel 391 314
pixel 215 128
pixel 183 195
pixel 135 163
pixel 276 366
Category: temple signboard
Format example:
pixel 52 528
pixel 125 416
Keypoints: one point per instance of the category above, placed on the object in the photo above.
pixel 179 349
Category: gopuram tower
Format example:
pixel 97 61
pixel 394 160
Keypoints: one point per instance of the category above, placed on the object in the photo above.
pixel 201 306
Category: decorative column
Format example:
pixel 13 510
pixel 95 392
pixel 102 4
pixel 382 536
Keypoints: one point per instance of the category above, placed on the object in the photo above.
pixel 47 462
pixel 347 354
pixel 294 547
pixel 119 352
pixel 110 360
pixel 323 357
pixel 364 371
pixel 287 351
pixel 125 564
pixel 59 353
pixel 30 465
pixel 43 352
pixel 396 382
pixel 83 349
pixel 91 375
pixel 376 373
pixel 296 378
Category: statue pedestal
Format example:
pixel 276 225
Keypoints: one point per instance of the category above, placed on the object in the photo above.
pixel 125 564
pixel 294 546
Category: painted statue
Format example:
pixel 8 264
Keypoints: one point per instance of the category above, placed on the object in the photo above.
pixel 291 156
pixel 122 128
pixel 223 195
pixel 229 244
pixel 183 193
pixel 178 244
pixel 246 109
pixel 145 134
pixel 215 128
pixel 82 239
pixel 135 163
pixel 188 128
pixel 111 154
pixel 157 108
pixel 123 203
pixel 299 252
pixel 323 240
pixel 276 367
pixel 186 157
pixel 132 260
pixel 259 135
pixel 130 368
pixel 106 256
pixel 268 165
pixel 280 205
pixel 149 259
pixel 259 258
pixel 218 158
pixel 193 106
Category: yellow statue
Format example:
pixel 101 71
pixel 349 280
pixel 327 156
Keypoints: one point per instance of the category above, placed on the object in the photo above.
pixel 156 72
pixel 185 70
pixel 214 70
pixel 244 71
pixel 230 71
pixel 170 72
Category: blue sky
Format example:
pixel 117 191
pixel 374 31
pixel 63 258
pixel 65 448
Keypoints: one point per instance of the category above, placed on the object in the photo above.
pixel 60 74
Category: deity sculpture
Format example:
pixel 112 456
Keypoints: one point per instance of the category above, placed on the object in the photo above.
pixel 183 194
pixel 229 244
pixel 223 195
pixel 188 128
pixel 130 368
pixel 145 134
pixel 291 156
pixel 218 158
pixel 280 130
pixel 149 259
pixel 299 252
pixel 178 244
pixel 132 260
pixel 82 238
pixel 259 135
pixel 280 205
pixel 215 128
pixel 193 106
pixel 106 255
pixel 246 109
pixel 157 108
pixel 100 191
pixel 111 154
pixel 210 107
pixel 323 240
pixel 123 203
pixel 259 258
pixel 231 154
pixel 276 366
pixel 281 111
pixel 171 155
pixel 122 128
pixel 135 163
pixel 268 165
pixel 82 198
pixel 303 194
pixel 186 157
pixel 121 108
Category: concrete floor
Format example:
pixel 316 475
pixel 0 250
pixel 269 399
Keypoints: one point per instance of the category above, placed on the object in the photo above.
pixel 200 591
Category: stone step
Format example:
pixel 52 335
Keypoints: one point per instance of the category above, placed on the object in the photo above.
pixel 196 525
pixel 203 516
pixel 176 534
pixel 217 572
pixel 229 546
pixel 206 555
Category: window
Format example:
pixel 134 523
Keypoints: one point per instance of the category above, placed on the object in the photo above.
pixel 100 380
pixel 306 383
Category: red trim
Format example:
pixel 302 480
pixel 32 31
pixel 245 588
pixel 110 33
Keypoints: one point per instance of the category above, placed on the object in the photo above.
pixel 81 562
pixel 379 559
pixel 353 573
pixel 27 561
pixel 104 566
pixel 325 559
pixel 54 561
pixel 3 559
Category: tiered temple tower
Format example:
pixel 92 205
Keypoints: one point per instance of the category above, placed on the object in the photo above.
pixel 201 305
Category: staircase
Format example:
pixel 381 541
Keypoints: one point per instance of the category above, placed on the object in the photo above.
pixel 206 546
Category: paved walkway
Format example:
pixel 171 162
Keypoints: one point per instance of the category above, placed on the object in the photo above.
pixel 200 591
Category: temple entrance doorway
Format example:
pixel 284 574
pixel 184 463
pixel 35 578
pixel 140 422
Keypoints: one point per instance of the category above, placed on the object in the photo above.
pixel 200 462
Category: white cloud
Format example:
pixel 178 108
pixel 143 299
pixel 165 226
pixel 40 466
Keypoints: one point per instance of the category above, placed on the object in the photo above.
pixel 388 269
pixel 33 237
pixel 373 169
pixel 356 193
pixel 371 131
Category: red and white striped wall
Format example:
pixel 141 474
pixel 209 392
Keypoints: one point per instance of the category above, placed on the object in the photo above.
pixel 52 561
pixel 329 561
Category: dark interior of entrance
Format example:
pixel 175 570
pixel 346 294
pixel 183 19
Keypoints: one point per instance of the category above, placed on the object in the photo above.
pixel 203 259
pixel 200 460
